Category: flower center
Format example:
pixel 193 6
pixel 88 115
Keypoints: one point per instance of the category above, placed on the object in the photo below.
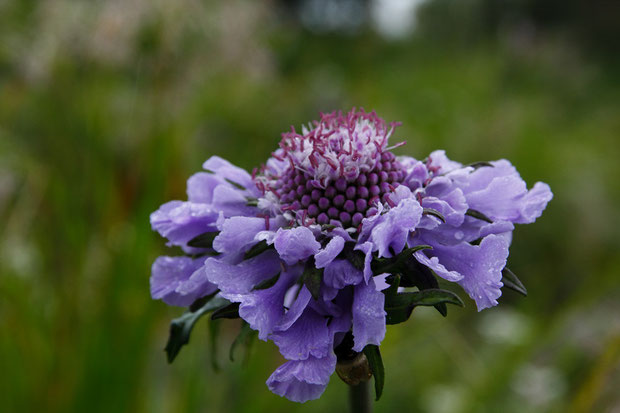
pixel 343 202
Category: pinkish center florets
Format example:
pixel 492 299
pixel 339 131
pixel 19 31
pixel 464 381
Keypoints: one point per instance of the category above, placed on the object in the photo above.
pixel 343 202
pixel 336 171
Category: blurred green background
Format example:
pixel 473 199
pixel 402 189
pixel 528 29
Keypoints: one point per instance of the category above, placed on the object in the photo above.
pixel 107 107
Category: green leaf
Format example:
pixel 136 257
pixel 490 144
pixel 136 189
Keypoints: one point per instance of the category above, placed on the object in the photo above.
pixel 312 278
pixel 435 213
pixel 235 184
pixel 478 215
pixel 511 281
pixel 246 337
pixel 181 328
pixel 268 283
pixel 257 249
pixel 231 311
pixel 376 367
pixel 204 240
pixel 399 306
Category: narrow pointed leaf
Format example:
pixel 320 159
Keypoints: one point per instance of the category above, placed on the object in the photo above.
pixel 435 213
pixel 245 337
pixel 511 281
pixel 252 202
pixel 478 215
pixel 257 249
pixel 181 327
pixel 399 307
pixel 204 240
pixel 231 311
pixel 376 367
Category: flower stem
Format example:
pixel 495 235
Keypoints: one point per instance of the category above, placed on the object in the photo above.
pixel 359 398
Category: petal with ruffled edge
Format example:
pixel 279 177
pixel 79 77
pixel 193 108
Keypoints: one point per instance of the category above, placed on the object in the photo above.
pixel 480 265
pixel 392 232
pixel 224 169
pixel 180 221
pixel 368 315
pixel 240 278
pixel 170 281
pixel 238 234
pixel 263 309
pixel 302 380
pixel 366 248
pixel 295 244
pixel 501 194
pixel 341 273
pixel 331 251
pixel 307 336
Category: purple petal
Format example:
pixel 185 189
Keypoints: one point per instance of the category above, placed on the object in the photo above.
pixel 331 251
pixel 226 170
pixel 200 187
pixel 302 380
pixel 170 281
pixel 295 310
pixel 534 203
pixel 341 273
pixel 295 244
pixel 231 202
pixel 238 234
pixel 480 265
pixel 366 248
pixel 393 231
pixel 434 264
pixel 263 309
pixel 438 159
pixel 307 336
pixel 368 315
pixel 240 278
pixel 179 221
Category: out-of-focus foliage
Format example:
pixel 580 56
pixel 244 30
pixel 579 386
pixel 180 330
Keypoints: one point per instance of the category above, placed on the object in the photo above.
pixel 107 107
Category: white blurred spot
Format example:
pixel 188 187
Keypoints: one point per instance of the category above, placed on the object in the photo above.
pixel 538 385
pixel 394 19
pixel 504 326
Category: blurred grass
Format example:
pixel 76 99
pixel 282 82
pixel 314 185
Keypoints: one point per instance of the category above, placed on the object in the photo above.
pixel 91 143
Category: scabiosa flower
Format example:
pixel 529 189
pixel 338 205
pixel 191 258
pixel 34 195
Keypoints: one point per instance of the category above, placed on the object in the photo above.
pixel 327 242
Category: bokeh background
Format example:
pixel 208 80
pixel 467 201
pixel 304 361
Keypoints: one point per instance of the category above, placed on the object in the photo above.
pixel 106 107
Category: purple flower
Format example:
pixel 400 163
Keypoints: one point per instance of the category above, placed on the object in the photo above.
pixel 323 224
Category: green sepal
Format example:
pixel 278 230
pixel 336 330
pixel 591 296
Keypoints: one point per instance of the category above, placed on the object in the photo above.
pixel 511 281
pixel 251 202
pixel 312 278
pixel 435 213
pixel 477 165
pixel 204 240
pixel 394 264
pixel 355 257
pixel 181 327
pixel 415 274
pixel 376 367
pixel 231 311
pixel 246 337
pixel 268 283
pixel 235 184
pixel 399 306
pixel 257 249
pixel 478 215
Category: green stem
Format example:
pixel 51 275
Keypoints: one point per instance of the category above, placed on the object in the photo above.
pixel 359 398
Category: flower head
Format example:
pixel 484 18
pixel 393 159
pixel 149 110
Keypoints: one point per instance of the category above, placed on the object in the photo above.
pixel 308 245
